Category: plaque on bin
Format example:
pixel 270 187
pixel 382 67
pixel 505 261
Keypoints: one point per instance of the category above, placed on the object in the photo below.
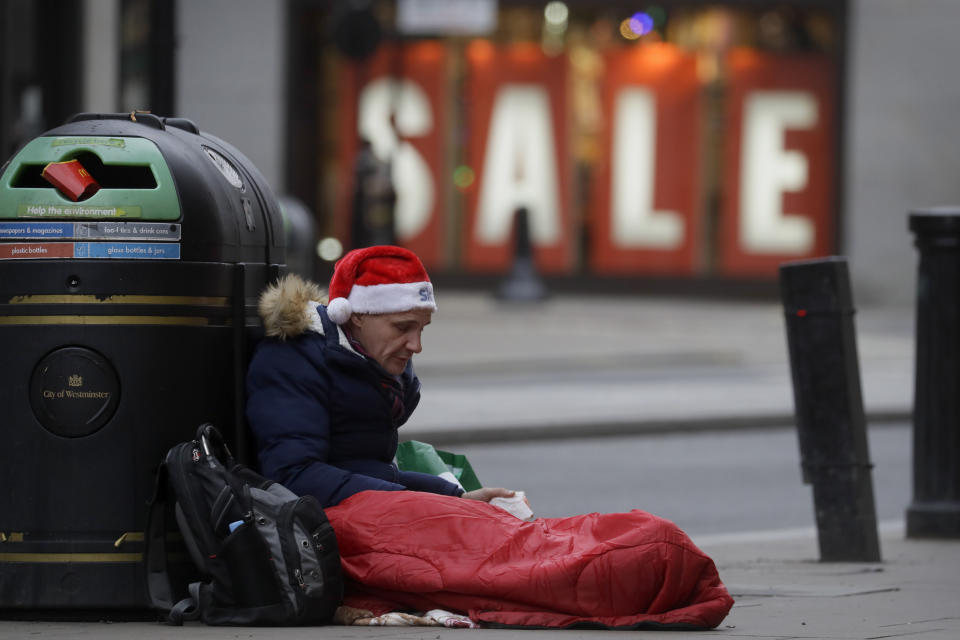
pixel 74 391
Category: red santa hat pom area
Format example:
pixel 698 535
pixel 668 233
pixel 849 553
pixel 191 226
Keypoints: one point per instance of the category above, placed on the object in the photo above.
pixel 381 279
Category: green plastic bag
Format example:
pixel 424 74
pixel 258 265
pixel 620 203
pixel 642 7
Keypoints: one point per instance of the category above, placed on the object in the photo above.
pixel 414 455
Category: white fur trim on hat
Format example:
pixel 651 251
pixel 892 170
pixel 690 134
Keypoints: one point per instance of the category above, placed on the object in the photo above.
pixel 382 298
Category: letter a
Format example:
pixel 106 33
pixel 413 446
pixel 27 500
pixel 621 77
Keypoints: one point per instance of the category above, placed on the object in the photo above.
pixel 519 169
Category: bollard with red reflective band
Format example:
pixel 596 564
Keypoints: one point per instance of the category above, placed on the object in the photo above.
pixel 828 403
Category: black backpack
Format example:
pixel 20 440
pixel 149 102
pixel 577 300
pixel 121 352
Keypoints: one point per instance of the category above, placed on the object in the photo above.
pixel 265 556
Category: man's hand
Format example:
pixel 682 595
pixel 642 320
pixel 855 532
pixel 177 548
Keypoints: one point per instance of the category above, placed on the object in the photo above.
pixel 486 493
pixel 512 502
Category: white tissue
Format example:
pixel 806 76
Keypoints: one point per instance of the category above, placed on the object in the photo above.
pixel 516 505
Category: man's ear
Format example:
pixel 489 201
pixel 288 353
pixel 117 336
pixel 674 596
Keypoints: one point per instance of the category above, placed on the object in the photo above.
pixel 355 320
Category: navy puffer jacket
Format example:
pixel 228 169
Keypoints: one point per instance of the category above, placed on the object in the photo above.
pixel 321 419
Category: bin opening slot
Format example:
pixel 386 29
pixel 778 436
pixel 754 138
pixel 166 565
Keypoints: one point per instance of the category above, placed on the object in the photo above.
pixel 108 176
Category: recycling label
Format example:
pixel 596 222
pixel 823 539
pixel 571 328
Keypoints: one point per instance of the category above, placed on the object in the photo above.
pixel 160 231
pixel 76 211
pixel 125 250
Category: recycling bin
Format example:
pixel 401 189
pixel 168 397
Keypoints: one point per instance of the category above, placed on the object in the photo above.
pixel 126 320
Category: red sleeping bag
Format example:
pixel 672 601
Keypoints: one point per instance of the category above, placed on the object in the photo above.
pixel 406 550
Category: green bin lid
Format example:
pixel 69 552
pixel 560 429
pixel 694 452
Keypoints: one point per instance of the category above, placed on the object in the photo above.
pixel 135 181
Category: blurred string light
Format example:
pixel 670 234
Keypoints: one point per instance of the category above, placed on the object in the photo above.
pixel 329 249
pixel 643 22
pixel 627 32
pixel 463 177
pixel 555 17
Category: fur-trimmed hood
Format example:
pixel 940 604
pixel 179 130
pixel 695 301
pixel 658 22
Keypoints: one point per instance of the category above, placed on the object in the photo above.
pixel 288 307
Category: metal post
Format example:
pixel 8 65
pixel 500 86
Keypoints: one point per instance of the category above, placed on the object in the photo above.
pixel 831 425
pixel 523 284
pixel 935 510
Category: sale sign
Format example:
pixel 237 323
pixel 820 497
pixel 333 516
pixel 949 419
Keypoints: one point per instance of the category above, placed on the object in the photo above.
pixel 647 208
pixel 518 149
pixel 779 162
pixel 645 205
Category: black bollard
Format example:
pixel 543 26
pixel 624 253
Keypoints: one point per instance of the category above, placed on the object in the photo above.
pixel 300 233
pixel 831 424
pixel 935 510
pixel 523 284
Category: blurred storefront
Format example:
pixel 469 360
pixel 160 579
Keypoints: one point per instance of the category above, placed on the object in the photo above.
pixel 660 145
pixel 672 141
pixel 58 58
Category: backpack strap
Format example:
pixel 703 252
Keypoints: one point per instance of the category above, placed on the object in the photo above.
pixel 159 589
pixel 214 445
pixel 155 548
pixel 186 609
pixel 215 449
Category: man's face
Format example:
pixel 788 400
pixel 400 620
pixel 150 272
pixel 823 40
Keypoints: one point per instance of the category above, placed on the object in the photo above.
pixel 391 338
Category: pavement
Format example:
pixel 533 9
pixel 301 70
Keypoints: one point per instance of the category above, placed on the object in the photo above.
pixel 781 591
pixel 595 365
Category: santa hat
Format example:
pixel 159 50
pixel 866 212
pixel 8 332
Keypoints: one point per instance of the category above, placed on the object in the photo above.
pixel 382 279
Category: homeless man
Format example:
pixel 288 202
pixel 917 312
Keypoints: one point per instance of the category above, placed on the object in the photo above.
pixel 327 391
